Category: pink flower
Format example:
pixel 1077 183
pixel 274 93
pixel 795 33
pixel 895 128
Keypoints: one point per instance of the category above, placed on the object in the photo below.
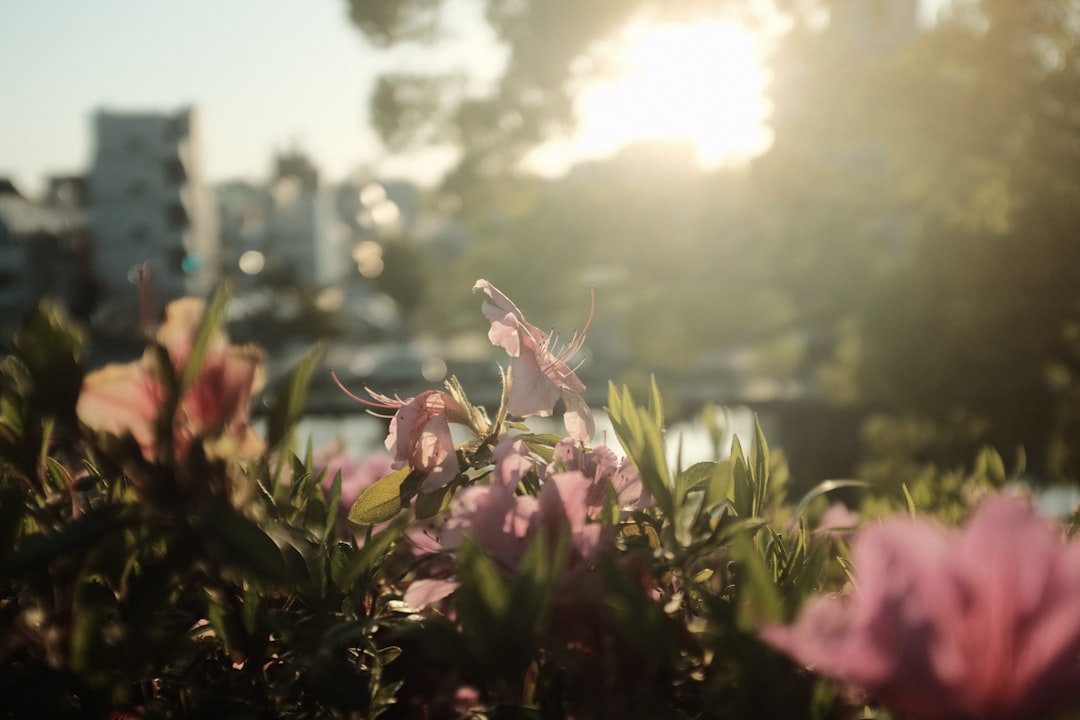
pixel 504 523
pixel 540 375
pixel 419 435
pixel 128 399
pixel 981 622
pixel 604 470
pixel 355 476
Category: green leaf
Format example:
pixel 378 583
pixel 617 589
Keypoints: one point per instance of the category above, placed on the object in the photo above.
pixel 94 604
pixel 287 406
pixel 692 478
pixel 59 475
pixel 721 483
pixel 75 536
pixel 340 555
pixel 989 466
pixel 759 599
pixel 363 560
pixel 482 583
pixel 226 623
pixel 760 456
pixel 389 654
pixel 383 500
pixel 642 439
pixel 910 501
pixel 301 484
pixel 213 321
pixel 743 494
pixel 237 542
pixel 12 509
pixel 333 504
pixel 823 488
pixel 50 346
pixel 431 504
pixel 656 404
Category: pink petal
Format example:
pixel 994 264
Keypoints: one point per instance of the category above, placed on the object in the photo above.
pixel 513 461
pixel 578 418
pixel 531 391
pixel 122 399
pixel 428 591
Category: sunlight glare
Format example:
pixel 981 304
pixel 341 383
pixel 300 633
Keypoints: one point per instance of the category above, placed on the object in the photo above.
pixel 702 83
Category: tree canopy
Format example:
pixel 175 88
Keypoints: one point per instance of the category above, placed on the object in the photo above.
pixel 908 243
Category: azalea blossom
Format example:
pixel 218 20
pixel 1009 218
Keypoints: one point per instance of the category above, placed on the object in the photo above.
pixel 604 470
pixel 419 435
pixel 540 374
pixel 356 476
pixel 978 623
pixel 503 523
pixel 123 399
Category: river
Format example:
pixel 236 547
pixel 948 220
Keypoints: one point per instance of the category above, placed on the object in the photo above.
pixel 362 433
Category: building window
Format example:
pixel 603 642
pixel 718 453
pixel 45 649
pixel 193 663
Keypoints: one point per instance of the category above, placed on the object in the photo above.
pixel 176 258
pixel 175 172
pixel 139 234
pixel 177 216
pixel 136 188
pixel 176 128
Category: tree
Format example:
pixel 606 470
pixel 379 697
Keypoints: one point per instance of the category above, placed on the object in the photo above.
pixel 912 228
pixel 974 325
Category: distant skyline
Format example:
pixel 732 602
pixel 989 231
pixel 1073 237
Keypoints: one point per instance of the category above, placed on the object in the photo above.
pixel 266 75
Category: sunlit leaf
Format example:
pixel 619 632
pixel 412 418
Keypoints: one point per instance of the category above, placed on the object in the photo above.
pixel 720 484
pixel 656 404
pixel 643 441
pixel 823 488
pixel 381 501
pixel 744 495
pixel 760 460
pixel 693 478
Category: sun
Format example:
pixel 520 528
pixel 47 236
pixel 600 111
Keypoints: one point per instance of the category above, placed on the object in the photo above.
pixel 702 83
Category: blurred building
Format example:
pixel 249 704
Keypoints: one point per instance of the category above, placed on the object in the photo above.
pixel 151 213
pixel 244 214
pixel 306 244
pixel 44 251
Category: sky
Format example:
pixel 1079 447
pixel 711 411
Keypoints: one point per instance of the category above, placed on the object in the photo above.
pixel 266 75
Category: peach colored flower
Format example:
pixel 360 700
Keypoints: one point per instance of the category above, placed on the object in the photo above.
pixel 128 399
pixel 978 623
pixel 540 375
pixel 419 435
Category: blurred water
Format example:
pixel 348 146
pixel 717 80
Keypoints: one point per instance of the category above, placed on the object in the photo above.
pixel 362 433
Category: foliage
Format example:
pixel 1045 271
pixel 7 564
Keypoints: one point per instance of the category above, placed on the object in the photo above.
pixel 540 578
pixel 905 246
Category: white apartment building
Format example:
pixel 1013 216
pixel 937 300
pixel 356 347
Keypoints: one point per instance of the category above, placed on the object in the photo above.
pixel 150 209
